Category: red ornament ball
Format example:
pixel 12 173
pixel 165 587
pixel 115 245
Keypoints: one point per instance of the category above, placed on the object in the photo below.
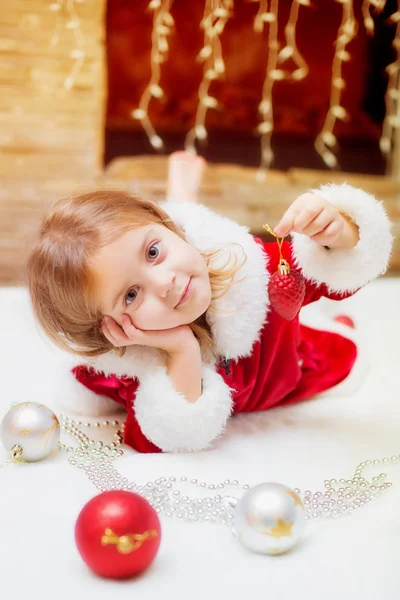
pixel 118 534
pixel 286 293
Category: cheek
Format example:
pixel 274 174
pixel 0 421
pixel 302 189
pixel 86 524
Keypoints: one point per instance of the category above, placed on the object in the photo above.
pixel 150 317
pixel 203 295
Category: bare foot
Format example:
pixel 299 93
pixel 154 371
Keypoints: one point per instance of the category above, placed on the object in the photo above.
pixel 185 173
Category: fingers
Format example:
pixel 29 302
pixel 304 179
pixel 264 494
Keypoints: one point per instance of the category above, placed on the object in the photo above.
pixel 319 223
pixel 285 225
pixel 113 332
pixel 299 214
pixel 306 217
pixel 107 334
pixel 329 235
pixel 128 327
pixel 309 214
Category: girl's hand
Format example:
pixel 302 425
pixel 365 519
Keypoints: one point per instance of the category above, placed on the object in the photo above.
pixel 173 341
pixel 318 219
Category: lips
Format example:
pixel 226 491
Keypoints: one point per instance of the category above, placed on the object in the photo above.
pixel 185 294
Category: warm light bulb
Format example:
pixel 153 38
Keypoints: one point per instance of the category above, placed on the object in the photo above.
pixel 285 53
pixel 329 159
pixel 156 90
pixel 209 101
pixel 265 127
pixel 205 52
pixel 138 113
pixel 68 83
pixel 328 138
pixel 156 142
pixel 339 112
pixel 201 132
pixel 219 65
pixel 154 4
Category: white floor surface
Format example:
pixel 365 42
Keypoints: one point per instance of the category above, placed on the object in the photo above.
pixel 356 557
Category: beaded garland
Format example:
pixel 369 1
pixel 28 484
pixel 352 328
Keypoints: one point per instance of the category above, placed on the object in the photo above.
pixel 340 497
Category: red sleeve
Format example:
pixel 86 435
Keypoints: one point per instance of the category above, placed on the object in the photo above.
pixel 314 291
pixel 123 391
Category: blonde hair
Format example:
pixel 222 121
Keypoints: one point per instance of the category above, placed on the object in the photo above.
pixel 59 275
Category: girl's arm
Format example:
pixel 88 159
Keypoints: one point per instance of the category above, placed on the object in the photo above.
pixel 351 262
pixel 184 368
pixel 180 403
pixel 180 345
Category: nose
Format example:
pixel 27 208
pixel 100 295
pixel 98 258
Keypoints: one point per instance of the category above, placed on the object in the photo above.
pixel 164 283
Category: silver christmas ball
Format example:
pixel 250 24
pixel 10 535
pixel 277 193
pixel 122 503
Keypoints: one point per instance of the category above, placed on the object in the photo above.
pixel 269 518
pixel 30 431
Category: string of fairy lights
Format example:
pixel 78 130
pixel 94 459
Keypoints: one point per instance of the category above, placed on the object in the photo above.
pixel 268 14
pixel 326 139
pixel 391 122
pixel 215 17
pixel 67 17
pixel 163 24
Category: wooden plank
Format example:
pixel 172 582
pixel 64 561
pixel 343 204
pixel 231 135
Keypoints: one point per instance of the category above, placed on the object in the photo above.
pixel 51 73
pixel 85 10
pixel 380 185
pixel 42 166
pixel 45 128
pixel 17 43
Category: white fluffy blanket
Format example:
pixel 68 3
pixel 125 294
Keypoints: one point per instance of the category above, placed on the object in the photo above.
pixel 354 557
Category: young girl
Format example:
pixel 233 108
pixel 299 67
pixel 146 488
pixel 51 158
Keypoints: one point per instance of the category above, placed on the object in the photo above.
pixel 167 306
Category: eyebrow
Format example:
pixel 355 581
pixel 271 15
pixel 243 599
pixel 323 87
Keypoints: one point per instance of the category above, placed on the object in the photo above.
pixel 149 234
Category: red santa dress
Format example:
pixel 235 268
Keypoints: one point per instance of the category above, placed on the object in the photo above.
pixel 262 359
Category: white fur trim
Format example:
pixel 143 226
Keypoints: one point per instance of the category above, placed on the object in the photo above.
pixel 238 316
pixel 68 394
pixel 348 270
pixel 171 422
pixel 137 361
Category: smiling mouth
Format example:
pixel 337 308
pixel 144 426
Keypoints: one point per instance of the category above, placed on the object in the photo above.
pixel 185 294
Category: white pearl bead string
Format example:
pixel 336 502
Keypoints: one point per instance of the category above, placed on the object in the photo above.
pixel 340 498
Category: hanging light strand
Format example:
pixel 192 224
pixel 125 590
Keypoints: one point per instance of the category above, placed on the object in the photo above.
pixel 391 121
pixel 268 15
pixel 78 54
pixel 73 24
pixel 326 138
pixel 290 50
pixel 377 7
pixel 162 26
pixel 56 7
pixel 216 15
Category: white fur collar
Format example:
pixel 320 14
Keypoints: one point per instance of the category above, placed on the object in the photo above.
pixel 238 316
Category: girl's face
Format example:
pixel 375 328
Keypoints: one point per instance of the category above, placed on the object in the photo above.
pixel 152 275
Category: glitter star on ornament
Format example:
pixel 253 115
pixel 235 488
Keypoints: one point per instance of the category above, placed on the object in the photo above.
pixel 281 529
pixel 296 498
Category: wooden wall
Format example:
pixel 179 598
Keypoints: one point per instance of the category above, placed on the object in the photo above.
pixel 48 131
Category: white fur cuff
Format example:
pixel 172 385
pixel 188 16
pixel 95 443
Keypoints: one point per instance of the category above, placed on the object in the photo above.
pixel 69 395
pixel 171 422
pixel 348 270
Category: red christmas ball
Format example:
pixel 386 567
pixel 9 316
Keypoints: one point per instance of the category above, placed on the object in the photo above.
pixel 286 291
pixel 118 534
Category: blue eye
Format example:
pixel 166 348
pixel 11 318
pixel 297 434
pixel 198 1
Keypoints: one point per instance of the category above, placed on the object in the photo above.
pixel 154 251
pixel 131 296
